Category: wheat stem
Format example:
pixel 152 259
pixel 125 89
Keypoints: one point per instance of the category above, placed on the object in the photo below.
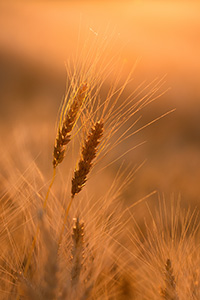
pixel 50 186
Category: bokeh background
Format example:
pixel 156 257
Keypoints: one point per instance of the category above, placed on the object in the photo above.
pixel 38 37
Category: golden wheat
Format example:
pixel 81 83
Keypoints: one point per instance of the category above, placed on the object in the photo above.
pixel 88 153
pixel 64 131
pixel 108 255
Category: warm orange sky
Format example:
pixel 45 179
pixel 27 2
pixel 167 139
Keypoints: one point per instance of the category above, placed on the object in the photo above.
pixel 165 35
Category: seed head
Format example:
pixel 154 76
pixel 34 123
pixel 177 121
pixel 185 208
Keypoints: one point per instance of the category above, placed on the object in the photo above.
pixel 64 132
pixel 88 153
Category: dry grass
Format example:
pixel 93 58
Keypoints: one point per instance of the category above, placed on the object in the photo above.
pixel 57 244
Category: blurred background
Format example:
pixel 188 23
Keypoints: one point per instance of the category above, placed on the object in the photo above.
pixel 38 37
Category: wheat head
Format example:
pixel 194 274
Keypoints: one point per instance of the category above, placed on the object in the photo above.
pixel 64 132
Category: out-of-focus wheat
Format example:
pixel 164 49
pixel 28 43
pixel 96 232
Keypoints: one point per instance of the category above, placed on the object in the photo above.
pixel 171 235
pixel 77 251
pixel 169 292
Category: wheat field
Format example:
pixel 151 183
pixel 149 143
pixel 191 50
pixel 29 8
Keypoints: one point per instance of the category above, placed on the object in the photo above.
pixel 82 215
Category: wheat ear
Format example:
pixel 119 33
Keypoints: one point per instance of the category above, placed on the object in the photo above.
pixel 88 154
pixel 64 131
pixel 169 292
pixel 77 251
